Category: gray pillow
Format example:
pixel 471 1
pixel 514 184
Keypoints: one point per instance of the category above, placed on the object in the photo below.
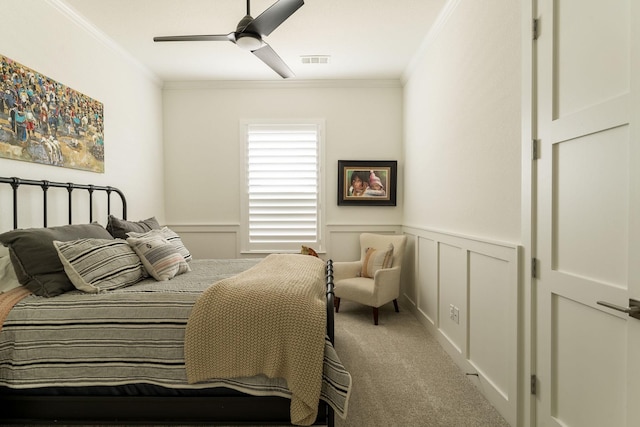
pixel 120 227
pixel 36 260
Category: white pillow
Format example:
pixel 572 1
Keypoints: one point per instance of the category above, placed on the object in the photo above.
pixel 8 279
pixel 168 234
pixel 159 256
pixel 95 265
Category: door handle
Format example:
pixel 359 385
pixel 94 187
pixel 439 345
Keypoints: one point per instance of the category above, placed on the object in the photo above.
pixel 633 310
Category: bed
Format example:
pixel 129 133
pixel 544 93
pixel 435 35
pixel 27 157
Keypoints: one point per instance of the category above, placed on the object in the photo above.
pixel 118 348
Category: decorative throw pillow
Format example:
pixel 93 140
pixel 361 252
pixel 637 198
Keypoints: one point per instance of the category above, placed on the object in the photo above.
pixel 309 251
pixel 375 259
pixel 35 259
pixel 171 236
pixel 8 279
pixel 119 228
pixel 160 257
pixel 95 265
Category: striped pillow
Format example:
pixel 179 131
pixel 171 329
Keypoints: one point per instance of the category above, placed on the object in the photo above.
pixel 171 236
pixel 95 265
pixel 375 259
pixel 160 257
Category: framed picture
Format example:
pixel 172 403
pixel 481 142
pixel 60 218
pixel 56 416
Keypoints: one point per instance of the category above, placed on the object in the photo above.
pixel 367 182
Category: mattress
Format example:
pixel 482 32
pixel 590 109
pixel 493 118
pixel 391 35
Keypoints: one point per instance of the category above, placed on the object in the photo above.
pixel 130 336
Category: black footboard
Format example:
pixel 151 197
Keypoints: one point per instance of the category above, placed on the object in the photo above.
pixel 330 327
pixel 330 299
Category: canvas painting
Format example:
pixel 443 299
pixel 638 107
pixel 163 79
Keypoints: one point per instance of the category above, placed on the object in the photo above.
pixel 44 121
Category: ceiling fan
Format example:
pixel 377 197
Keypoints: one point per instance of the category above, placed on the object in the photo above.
pixel 250 31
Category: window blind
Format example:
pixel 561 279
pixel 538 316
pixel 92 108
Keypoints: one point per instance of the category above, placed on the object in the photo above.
pixel 282 183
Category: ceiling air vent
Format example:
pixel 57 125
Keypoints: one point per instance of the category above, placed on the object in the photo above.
pixel 315 59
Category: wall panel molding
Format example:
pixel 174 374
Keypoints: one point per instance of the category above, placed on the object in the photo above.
pixel 479 279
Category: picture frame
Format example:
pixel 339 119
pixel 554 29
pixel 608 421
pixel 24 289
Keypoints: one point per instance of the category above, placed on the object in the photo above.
pixel 367 182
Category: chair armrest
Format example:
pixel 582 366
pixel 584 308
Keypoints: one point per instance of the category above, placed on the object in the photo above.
pixel 386 283
pixel 387 277
pixel 346 269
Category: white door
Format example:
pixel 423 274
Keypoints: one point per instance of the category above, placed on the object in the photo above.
pixel 588 212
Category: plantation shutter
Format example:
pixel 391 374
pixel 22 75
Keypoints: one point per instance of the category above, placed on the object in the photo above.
pixel 282 182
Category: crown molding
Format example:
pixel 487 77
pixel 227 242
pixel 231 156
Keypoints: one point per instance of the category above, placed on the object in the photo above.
pixel 282 84
pixel 101 37
pixel 440 22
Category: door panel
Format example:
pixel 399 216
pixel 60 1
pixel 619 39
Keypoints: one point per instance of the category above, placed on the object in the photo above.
pixel 574 379
pixel 590 205
pixel 589 38
pixel 587 198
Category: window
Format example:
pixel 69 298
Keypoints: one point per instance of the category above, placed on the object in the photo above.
pixel 281 203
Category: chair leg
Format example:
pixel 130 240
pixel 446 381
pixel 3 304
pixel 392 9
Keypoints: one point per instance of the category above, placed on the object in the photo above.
pixel 395 304
pixel 375 315
pixel 336 303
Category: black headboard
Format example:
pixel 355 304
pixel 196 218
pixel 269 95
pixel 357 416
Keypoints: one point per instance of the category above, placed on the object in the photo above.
pixel 45 185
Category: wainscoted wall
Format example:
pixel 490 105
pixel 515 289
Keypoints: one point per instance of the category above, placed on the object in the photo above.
pixel 222 240
pixel 466 291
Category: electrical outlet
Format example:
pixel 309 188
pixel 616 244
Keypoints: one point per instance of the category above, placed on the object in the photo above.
pixel 456 314
pixel 451 311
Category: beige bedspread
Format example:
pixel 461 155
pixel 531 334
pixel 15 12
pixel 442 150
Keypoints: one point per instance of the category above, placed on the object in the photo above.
pixel 271 320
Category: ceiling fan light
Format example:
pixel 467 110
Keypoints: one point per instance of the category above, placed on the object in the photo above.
pixel 249 42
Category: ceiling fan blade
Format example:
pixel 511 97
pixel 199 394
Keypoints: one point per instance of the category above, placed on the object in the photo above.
pixel 275 15
pixel 197 38
pixel 271 58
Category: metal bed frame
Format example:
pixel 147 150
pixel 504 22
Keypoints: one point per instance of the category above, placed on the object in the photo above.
pixel 45 185
pixel 227 408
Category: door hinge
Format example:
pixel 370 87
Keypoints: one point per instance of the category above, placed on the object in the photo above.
pixel 534 149
pixel 534 268
pixel 535 29
pixel 534 384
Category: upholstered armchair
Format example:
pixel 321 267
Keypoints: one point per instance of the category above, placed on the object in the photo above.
pixel 374 280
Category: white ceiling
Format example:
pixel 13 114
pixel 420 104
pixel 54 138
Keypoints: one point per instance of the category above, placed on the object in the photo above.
pixel 366 39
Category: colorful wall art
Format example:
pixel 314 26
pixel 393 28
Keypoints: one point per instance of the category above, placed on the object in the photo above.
pixel 44 121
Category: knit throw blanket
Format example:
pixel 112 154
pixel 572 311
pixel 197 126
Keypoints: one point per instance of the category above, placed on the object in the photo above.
pixel 270 320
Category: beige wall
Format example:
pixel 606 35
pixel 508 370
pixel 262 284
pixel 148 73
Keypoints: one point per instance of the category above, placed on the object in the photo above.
pixel 50 40
pixel 462 124
pixel 459 114
pixel 363 121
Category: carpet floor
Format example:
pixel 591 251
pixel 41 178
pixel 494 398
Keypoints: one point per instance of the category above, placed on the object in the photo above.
pixel 401 376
